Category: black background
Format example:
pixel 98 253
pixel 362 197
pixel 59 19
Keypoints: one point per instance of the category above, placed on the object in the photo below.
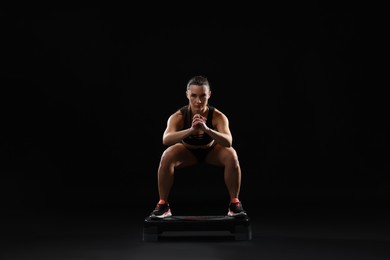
pixel 86 92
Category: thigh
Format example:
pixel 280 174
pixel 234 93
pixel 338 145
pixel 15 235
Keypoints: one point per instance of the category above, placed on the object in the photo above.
pixel 219 155
pixel 179 156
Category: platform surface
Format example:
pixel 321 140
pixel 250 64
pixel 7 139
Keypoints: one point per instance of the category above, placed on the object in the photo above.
pixel 197 226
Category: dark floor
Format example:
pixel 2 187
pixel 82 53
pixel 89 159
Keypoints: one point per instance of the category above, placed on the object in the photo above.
pixel 117 234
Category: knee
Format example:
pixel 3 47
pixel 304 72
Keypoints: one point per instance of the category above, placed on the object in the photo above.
pixel 164 157
pixel 167 158
pixel 231 159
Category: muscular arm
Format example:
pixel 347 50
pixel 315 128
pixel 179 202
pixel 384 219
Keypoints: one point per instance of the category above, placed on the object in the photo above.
pixel 221 134
pixel 172 134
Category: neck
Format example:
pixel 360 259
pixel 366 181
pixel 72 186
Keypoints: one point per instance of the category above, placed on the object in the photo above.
pixel 201 111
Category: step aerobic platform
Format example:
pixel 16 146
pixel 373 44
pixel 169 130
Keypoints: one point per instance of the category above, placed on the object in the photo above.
pixel 197 226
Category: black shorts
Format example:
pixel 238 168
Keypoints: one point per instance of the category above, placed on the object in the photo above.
pixel 200 153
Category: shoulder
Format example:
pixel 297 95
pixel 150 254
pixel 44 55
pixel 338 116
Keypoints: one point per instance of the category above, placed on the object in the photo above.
pixel 180 112
pixel 176 120
pixel 217 112
pixel 177 115
pixel 218 115
pixel 183 109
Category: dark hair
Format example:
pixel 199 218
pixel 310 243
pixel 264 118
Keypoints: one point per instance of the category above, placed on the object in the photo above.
pixel 199 81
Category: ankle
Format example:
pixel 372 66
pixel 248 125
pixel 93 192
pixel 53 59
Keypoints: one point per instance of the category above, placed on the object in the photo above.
pixel 234 200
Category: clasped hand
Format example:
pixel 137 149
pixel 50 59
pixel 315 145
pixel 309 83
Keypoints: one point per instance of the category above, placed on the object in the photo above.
pixel 199 122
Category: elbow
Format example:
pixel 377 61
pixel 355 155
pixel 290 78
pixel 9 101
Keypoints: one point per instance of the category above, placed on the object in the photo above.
pixel 227 144
pixel 165 141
